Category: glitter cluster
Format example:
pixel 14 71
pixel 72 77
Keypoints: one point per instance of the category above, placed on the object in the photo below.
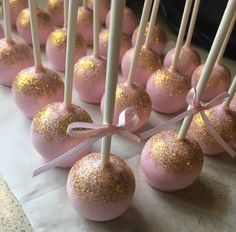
pixel 55 7
pixel 84 16
pixel 36 84
pixel 52 121
pixel 173 82
pixel 17 3
pixel 94 183
pixel 172 155
pixel 24 18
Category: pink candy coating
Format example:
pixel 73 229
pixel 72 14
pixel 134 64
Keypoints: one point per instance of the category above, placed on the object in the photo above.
pixel 131 96
pixel 49 131
pixel 16 6
pixel 1 32
pixel 233 103
pixel 56 11
pixel 188 61
pixel 158 38
pixel 148 63
pixel 170 164
pixel 33 89
pixel 14 57
pixel 85 24
pixel 218 82
pixel 103 43
pixel 168 90
pixel 100 193
pixel 129 21
pixel 56 49
pixel 89 78
pixel 45 26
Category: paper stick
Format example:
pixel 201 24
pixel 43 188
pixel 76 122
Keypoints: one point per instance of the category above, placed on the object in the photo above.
pixel 192 22
pixel 7 21
pixel 140 38
pixel 117 11
pixel 211 59
pixel 66 3
pixel 152 22
pixel 182 30
pixel 70 50
pixel 96 27
pixel 231 92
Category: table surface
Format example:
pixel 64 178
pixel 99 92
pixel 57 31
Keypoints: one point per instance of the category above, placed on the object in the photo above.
pixel 207 205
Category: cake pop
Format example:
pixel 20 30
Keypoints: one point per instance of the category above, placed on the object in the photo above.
pixel 233 103
pixel 37 86
pixel 1 32
pixel 85 23
pixel 16 6
pixel 14 55
pixel 129 21
pixel 90 71
pixel 45 26
pixel 104 8
pixel 149 61
pixel 56 46
pixel 167 84
pixel 56 11
pixel 49 126
pixel 189 58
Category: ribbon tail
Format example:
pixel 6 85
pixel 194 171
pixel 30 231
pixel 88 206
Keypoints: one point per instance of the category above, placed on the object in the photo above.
pixel 130 136
pixel 216 136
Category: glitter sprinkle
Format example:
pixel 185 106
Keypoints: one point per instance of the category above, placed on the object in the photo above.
pixel 84 16
pixel 55 7
pixel 24 18
pixel 18 4
pixel 93 183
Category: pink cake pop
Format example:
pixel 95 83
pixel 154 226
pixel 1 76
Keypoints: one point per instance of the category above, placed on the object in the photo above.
pixel 14 55
pixel 149 61
pixel 90 71
pixel 1 32
pixel 56 47
pixel 233 103
pixel 104 8
pixel 36 86
pixel 85 23
pixel 16 6
pixel 56 11
pixel 45 26
pixel 129 21
pixel 189 59
pixel 49 126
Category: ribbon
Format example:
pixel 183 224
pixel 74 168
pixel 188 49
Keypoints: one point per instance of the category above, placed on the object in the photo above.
pixel 195 106
pixel 94 132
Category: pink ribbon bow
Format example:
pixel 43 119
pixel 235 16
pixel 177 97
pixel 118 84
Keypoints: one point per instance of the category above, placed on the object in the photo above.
pixel 94 133
pixel 195 106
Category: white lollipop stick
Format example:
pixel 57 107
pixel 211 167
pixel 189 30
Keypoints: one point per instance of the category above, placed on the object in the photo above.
pixel 182 30
pixel 152 22
pixel 211 59
pixel 35 34
pixel 7 21
pixel 66 3
pixel 96 27
pixel 117 11
pixel 227 37
pixel 231 92
pixel 192 22
pixel 140 38
pixel 70 50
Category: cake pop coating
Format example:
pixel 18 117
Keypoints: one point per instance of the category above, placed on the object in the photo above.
pixel 158 38
pixel 224 122
pixel 1 32
pixel 56 48
pixel 100 193
pixel 218 81
pixel 16 6
pixel 14 57
pixel 131 96
pixel 89 78
pixel 170 164
pixel 233 103
pixel 148 63
pixel 104 8
pixel 33 90
pixel 168 90
pixel 56 11
pixel 85 24
pixel 129 21
pixel 104 39
pixel 45 26
pixel 188 61
pixel 49 131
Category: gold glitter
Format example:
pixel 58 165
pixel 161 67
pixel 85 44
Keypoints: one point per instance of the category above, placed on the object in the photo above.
pixel 104 3
pixel 55 7
pixel 93 183
pixel 173 82
pixel 173 155
pixel 12 217
pixel 37 84
pixel 84 17
pixel 24 18
pixel 52 121
pixel 18 4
